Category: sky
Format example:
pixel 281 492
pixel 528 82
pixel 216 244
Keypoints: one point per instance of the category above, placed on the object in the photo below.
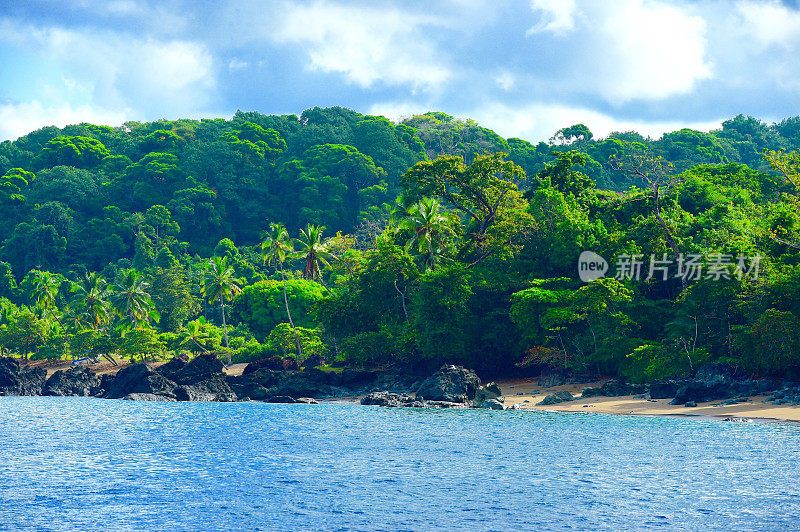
pixel 524 68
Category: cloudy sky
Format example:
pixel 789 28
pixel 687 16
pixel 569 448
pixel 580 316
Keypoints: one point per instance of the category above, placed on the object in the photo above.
pixel 524 68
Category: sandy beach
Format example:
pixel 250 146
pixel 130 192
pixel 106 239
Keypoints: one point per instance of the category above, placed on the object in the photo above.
pixel 527 393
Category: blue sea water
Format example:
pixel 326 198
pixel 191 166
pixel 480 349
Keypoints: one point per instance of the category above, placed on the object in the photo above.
pixel 90 464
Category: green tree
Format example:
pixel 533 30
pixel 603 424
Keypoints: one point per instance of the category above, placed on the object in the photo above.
pixel 45 290
pixel 23 332
pixel 93 306
pixel 219 284
pixel 485 192
pixel 275 248
pixel 132 301
pixel 313 250
pixel 430 229
pixel 171 292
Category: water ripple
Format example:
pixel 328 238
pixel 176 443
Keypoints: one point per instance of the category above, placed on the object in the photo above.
pixel 78 464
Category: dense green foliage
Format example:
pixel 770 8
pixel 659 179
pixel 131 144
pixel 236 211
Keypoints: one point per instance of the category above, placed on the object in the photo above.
pixel 435 240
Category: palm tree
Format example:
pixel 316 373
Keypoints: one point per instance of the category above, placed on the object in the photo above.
pixel 275 248
pixel 92 295
pixel 314 250
pixel 219 284
pixel 45 290
pixel 429 227
pixel 194 332
pixel 132 301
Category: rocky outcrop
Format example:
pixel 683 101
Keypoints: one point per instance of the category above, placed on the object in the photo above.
pixel 273 364
pixel 81 382
pixel 551 377
pixel 387 399
pixel 174 366
pixel 717 381
pixel 391 399
pixel 203 380
pixel 148 397
pixel 664 389
pixel 489 396
pixel 555 398
pixel 615 388
pixel 453 384
pixel 788 395
pixel 261 383
pixel 16 380
pixel 138 379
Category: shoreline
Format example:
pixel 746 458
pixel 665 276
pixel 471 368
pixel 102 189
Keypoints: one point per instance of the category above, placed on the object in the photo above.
pixel 527 393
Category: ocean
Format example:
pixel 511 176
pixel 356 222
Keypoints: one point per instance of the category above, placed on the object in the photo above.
pixel 92 464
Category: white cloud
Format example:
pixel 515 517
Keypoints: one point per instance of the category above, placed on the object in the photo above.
pixel 505 80
pixel 770 23
pixel 20 119
pixel 366 44
pixel 558 16
pixel 646 50
pixel 398 111
pixel 539 121
pixel 116 71
pixel 237 64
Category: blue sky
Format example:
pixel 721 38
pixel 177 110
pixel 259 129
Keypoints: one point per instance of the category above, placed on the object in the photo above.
pixel 523 68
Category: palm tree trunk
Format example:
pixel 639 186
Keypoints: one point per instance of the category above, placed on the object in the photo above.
pixel 225 328
pixel 289 314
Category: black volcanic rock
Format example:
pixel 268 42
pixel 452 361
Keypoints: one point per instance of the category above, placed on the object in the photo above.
pixel 82 382
pixel 452 384
pixel 16 380
pixel 138 379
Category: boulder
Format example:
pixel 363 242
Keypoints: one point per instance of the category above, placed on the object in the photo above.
pixel 16 380
pixel 614 388
pixel 246 389
pixel 488 396
pixel 664 389
pixel 711 382
pixel 493 404
pixel 386 399
pixel 558 397
pixel 202 367
pixel 550 377
pixel 452 384
pixel 214 389
pixel 171 368
pixel 74 381
pixel 275 363
pixel 148 397
pixel 306 401
pixel 137 379
pixel 281 399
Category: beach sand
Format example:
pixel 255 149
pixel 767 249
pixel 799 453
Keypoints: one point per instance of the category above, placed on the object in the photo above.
pixel 527 393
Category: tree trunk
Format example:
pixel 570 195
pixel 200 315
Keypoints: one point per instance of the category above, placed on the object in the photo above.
pixel 402 300
pixel 289 314
pixel 667 233
pixel 225 328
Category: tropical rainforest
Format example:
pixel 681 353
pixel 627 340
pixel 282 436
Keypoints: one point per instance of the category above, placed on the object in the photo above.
pixel 335 238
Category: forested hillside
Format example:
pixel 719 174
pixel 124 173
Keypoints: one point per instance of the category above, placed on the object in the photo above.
pixel 347 239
